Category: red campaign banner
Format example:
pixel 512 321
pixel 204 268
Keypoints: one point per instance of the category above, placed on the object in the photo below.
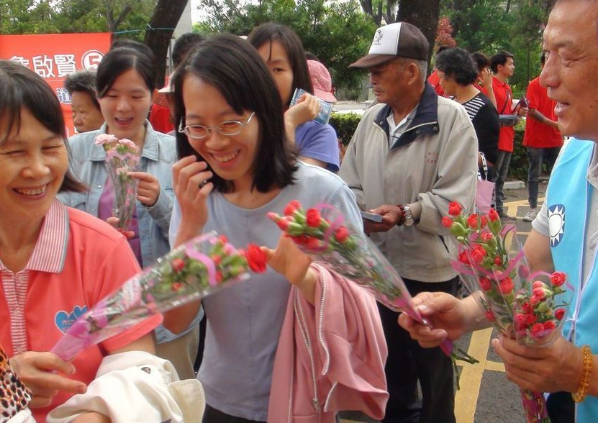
pixel 54 56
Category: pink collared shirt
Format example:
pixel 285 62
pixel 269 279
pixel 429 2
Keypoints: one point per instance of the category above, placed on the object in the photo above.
pixel 77 261
pixel 48 256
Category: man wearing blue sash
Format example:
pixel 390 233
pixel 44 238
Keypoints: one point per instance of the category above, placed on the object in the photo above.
pixel 564 235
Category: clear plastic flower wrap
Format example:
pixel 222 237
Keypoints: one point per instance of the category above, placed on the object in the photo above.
pixel 323 233
pixel 529 307
pixel 194 270
pixel 122 157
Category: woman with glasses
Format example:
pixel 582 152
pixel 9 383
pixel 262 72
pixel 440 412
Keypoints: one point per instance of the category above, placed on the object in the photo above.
pixel 125 86
pixel 236 166
pixel 282 51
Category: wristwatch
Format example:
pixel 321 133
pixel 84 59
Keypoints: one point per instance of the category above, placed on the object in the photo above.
pixel 407 216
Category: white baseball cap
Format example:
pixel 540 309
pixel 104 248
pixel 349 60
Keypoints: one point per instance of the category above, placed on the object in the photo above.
pixel 399 39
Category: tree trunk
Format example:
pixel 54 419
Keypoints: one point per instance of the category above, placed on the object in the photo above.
pixel 424 15
pixel 165 18
pixel 368 8
pixel 366 5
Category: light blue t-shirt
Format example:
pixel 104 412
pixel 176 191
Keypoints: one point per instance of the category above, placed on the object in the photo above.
pixel 244 321
pixel 319 142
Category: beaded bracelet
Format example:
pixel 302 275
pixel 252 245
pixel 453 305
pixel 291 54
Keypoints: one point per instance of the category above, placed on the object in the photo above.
pixel 584 384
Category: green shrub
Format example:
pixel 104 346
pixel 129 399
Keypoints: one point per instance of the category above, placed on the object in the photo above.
pixel 345 125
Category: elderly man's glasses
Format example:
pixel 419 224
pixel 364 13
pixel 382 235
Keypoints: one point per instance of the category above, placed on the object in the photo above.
pixel 227 128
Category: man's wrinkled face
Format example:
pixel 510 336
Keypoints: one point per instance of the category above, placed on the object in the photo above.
pixel 571 46
pixel 388 80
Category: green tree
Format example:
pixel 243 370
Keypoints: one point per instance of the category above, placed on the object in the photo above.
pixel 338 34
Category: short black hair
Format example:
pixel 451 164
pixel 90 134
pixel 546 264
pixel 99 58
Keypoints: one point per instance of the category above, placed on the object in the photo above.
pixel 120 60
pixel 183 45
pixel 21 88
pixel 482 61
pixel 500 58
pixel 135 45
pixel 457 63
pixel 83 81
pixel 270 32
pixel 236 70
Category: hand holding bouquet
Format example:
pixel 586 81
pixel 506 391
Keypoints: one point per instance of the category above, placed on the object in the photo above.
pixel 122 157
pixel 322 233
pixel 192 271
pixel 522 305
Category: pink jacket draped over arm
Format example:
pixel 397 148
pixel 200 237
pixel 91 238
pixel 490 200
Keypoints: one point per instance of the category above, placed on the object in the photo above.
pixel 330 356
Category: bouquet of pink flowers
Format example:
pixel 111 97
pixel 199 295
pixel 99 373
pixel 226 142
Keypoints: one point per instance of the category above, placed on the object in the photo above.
pixel 322 233
pixel 122 157
pixel 520 304
pixel 192 271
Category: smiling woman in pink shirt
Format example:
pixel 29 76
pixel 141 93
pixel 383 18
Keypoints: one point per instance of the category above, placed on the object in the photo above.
pixel 55 262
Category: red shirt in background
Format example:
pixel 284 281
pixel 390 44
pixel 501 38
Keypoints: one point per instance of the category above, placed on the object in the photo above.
pixel 160 118
pixel 538 134
pixel 504 106
pixel 434 81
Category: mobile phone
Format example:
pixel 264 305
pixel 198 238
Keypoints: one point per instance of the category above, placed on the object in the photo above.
pixel 521 103
pixel 371 216
pixel 325 108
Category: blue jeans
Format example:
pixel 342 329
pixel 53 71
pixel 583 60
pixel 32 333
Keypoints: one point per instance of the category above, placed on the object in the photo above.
pixel 501 169
pixel 535 157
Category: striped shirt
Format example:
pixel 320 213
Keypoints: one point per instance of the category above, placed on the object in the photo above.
pixel 473 106
pixel 48 256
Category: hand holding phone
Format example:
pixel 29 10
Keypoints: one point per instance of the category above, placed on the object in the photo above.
pixel 371 216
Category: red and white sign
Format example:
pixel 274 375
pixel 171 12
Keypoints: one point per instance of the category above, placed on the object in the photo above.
pixel 54 56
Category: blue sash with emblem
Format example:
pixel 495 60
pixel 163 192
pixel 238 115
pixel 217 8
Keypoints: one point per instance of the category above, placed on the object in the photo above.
pixel 568 199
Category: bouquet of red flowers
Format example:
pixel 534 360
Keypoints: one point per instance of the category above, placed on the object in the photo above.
pixel 520 304
pixel 322 233
pixel 194 270
pixel 122 157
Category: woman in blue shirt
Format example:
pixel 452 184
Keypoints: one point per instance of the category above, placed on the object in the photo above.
pixel 282 51
pixel 235 167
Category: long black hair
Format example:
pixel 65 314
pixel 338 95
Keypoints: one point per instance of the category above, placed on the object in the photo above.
pixel 22 88
pixel 235 69
pixel 270 32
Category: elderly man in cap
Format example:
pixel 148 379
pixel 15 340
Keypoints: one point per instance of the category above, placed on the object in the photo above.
pixel 410 156
pixel 564 235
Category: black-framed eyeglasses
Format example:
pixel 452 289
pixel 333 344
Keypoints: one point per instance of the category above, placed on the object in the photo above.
pixel 227 128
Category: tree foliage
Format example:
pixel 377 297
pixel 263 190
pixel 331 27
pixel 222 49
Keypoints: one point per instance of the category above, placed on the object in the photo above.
pixel 338 34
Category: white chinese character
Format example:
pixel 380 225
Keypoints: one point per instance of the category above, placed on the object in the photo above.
pixel 63 95
pixel 21 60
pixel 65 64
pixel 44 66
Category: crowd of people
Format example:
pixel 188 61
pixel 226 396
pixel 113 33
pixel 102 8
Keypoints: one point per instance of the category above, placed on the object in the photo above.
pixel 221 145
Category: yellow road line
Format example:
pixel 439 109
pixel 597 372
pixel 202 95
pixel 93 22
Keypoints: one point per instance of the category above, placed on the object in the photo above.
pixel 495 366
pixel 471 377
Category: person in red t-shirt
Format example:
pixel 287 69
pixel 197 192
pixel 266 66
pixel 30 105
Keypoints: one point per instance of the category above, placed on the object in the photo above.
pixel 503 67
pixel 542 138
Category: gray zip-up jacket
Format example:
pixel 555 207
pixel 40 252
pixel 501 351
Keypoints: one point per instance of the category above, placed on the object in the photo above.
pixel 433 162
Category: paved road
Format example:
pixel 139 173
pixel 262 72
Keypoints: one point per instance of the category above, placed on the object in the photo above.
pixel 486 396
